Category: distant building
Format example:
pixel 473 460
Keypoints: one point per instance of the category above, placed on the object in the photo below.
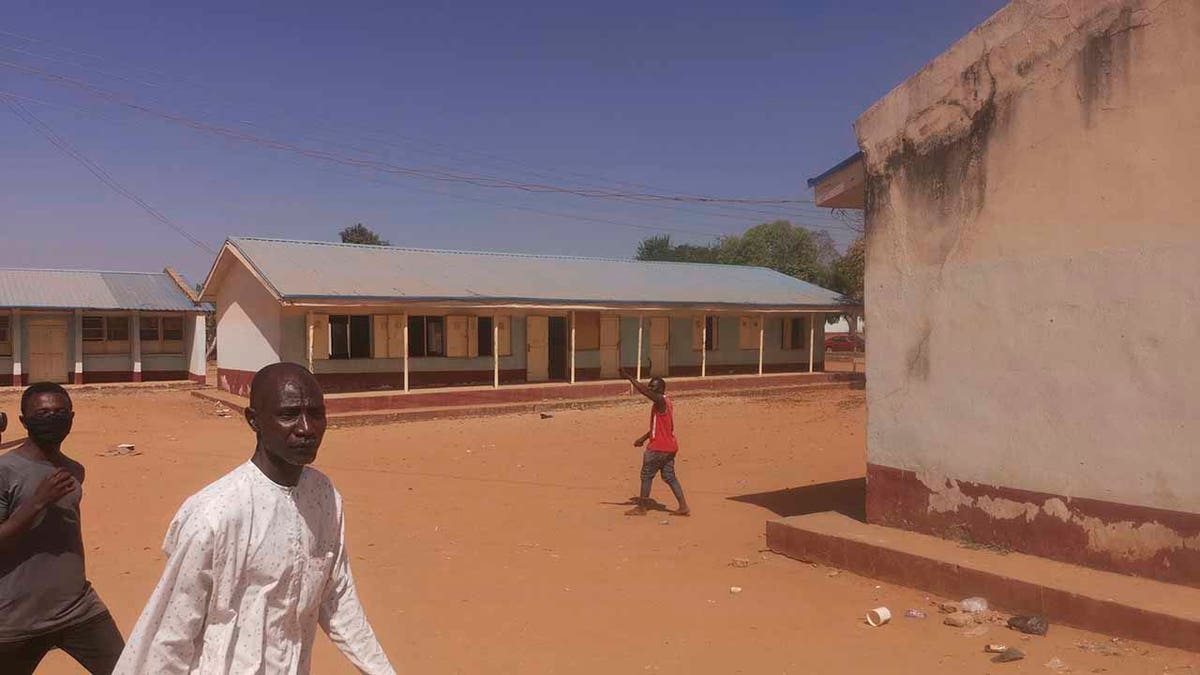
pixel 1033 287
pixel 77 326
pixel 375 317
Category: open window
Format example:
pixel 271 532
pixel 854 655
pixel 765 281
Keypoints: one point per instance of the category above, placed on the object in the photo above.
pixel 426 336
pixel 105 334
pixel 705 329
pixel 350 336
pixel 795 333
pixel 5 336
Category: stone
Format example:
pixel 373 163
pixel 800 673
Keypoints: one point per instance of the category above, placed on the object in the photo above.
pixel 959 620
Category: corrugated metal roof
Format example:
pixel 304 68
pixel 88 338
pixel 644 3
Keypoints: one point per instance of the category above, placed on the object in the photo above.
pixel 299 270
pixel 82 289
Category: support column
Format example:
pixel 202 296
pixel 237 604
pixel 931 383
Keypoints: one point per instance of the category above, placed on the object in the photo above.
pixel 406 351
pixel 812 339
pixel 762 324
pixel 135 345
pixel 78 348
pixel 308 340
pixel 703 345
pixel 495 352
pixel 572 347
pixel 15 327
pixel 639 348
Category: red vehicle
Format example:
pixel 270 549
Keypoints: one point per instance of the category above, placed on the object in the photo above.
pixel 845 343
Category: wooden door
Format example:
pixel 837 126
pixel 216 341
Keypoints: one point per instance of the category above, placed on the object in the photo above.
pixel 47 350
pixel 610 346
pixel 660 346
pixel 537 341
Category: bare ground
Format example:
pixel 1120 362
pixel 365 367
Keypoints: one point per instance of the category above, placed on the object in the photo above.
pixel 498 545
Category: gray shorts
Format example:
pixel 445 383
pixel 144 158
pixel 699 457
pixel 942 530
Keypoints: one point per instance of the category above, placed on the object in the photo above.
pixel 654 461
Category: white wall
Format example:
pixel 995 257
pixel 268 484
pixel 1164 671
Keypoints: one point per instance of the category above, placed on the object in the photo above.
pixel 249 334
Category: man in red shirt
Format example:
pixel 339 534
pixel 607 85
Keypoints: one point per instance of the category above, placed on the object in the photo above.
pixel 660 453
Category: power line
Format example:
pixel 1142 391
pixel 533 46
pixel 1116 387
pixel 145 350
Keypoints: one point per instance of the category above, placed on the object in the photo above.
pixel 476 179
pixel 719 208
pixel 96 170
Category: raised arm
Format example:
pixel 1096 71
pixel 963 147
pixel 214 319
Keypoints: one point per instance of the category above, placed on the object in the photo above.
pixel 660 402
pixel 14 524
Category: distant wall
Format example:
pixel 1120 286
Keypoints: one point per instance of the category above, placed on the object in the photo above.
pixel 1032 287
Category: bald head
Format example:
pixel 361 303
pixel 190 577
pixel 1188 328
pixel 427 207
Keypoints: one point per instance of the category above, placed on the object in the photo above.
pixel 287 413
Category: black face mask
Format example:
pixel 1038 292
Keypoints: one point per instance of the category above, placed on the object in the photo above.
pixel 49 429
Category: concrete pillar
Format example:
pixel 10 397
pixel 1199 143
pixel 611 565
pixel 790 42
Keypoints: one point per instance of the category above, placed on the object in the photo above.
pixel 639 348
pixel 308 340
pixel 495 352
pixel 812 339
pixel 406 351
pixel 17 341
pixel 135 345
pixel 572 347
pixel 78 347
pixel 703 345
pixel 196 333
pixel 762 324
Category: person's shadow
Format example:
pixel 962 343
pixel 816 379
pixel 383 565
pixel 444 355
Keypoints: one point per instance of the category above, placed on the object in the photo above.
pixel 650 504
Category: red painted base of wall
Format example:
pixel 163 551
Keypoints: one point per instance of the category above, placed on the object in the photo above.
pixel 7 380
pixel 107 376
pixel 78 378
pixel 1080 534
pixel 743 369
pixel 198 378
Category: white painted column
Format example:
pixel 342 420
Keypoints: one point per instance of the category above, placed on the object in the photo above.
pixel 762 325
pixel 572 347
pixel 639 348
pixel 15 327
pixel 78 348
pixel 308 340
pixel 495 352
pixel 406 351
pixel 135 345
pixel 812 339
pixel 703 345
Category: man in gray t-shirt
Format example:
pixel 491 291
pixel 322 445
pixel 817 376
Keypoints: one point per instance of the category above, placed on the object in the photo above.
pixel 46 601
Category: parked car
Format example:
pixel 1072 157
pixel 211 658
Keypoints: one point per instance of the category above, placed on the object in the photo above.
pixel 845 343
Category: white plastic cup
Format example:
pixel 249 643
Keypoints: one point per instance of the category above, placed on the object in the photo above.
pixel 879 616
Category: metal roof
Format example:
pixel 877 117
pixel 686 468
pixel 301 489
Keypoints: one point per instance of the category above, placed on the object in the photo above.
pixel 835 168
pixel 84 289
pixel 304 270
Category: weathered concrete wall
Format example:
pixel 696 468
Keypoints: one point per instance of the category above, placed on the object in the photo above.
pixel 249 329
pixel 1033 287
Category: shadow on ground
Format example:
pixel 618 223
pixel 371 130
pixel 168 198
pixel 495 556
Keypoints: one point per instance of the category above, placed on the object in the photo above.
pixel 847 497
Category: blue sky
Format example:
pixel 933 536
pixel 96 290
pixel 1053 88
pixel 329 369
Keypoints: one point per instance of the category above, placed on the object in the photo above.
pixel 742 99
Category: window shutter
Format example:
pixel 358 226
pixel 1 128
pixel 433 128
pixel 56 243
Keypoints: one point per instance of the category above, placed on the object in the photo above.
pixel 697 334
pixel 379 336
pixel 504 335
pixel 473 336
pixel 396 324
pixel 456 336
pixel 320 337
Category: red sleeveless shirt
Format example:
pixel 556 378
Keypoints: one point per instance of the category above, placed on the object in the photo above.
pixel 662 429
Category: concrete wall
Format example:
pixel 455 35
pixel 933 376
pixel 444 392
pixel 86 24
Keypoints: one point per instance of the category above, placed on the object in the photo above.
pixel 249 329
pixel 1032 287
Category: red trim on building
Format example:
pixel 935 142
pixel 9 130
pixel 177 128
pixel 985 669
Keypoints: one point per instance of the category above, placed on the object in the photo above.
pixel 78 378
pixel 742 369
pixel 234 381
pixel 198 378
pixel 135 377
pixel 898 498
pixel 107 376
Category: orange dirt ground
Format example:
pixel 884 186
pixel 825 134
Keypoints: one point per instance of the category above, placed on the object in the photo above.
pixel 498 545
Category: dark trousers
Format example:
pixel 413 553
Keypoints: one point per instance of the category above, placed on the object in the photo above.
pixel 96 644
pixel 654 462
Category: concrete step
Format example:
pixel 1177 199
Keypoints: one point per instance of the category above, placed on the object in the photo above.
pixel 1115 604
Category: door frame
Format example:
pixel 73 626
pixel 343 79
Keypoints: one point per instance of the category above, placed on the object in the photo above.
pixel 29 325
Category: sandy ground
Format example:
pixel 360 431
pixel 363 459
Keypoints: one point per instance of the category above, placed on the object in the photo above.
pixel 498 545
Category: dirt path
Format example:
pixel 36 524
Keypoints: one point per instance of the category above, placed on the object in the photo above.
pixel 498 545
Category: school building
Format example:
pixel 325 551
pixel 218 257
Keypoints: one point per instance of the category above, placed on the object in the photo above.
pixel 385 318
pixel 81 327
pixel 1033 287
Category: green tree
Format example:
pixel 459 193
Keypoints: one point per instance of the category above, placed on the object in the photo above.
pixel 660 248
pixel 848 272
pixel 783 247
pixel 361 234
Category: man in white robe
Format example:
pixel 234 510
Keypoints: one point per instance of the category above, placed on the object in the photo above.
pixel 257 560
